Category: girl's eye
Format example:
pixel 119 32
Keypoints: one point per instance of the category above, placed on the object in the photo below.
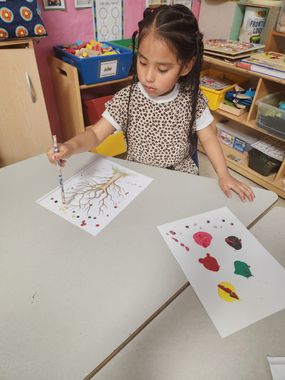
pixel 162 71
pixel 142 63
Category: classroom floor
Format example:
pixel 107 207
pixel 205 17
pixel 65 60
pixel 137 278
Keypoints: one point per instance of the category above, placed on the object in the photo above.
pixel 207 170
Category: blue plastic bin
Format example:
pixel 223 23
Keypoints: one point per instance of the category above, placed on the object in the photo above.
pixel 101 68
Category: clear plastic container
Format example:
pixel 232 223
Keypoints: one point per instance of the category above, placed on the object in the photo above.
pixel 269 116
pixel 280 26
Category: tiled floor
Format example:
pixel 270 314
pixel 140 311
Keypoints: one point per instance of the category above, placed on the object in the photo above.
pixel 207 170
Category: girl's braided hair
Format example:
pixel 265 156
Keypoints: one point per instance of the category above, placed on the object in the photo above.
pixel 178 27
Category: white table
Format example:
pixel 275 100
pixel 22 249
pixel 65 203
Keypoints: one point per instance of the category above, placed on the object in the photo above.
pixel 69 299
pixel 182 342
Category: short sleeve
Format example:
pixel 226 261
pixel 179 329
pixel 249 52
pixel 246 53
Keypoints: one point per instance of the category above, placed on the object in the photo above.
pixel 203 115
pixel 204 120
pixel 116 109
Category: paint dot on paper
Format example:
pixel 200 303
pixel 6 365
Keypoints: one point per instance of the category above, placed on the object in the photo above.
pixel 83 223
pixel 186 226
pixel 227 292
pixel 184 246
pixel 97 225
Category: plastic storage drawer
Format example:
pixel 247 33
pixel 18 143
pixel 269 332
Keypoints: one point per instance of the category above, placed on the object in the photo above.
pixel 269 116
pixel 262 163
pixel 101 68
pixel 216 97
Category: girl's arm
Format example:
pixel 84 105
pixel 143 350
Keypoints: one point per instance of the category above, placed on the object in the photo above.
pixel 211 145
pixel 90 138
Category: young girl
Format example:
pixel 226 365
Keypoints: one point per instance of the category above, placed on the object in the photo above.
pixel 163 111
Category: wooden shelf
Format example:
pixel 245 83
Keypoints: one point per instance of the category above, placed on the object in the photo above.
pixel 270 182
pixel 69 95
pixel 250 124
pixel 233 68
pixel 110 83
pixel 264 85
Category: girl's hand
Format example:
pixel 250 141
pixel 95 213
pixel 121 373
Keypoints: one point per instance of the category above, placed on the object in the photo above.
pixel 229 184
pixel 65 151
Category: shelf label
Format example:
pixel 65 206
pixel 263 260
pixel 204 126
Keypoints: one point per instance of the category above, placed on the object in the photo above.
pixel 108 68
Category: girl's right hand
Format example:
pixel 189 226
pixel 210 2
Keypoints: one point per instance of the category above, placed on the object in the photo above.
pixel 65 151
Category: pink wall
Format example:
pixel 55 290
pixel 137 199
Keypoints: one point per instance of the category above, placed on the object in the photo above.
pixel 67 26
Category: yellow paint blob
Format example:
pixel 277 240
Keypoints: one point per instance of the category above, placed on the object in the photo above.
pixel 227 292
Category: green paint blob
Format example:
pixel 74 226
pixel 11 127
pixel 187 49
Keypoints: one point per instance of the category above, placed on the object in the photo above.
pixel 242 269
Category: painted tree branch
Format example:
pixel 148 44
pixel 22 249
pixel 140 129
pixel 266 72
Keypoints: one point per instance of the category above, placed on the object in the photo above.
pixel 86 193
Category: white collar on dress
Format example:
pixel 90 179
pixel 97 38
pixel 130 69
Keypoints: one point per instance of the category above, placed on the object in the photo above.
pixel 161 99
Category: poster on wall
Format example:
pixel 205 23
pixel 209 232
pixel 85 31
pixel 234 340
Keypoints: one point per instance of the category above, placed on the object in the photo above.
pixel 157 3
pixel 235 278
pixel 83 3
pixel 187 3
pixel 54 4
pixel 108 20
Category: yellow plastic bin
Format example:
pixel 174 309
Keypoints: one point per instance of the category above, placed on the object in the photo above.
pixel 216 97
pixel 114 145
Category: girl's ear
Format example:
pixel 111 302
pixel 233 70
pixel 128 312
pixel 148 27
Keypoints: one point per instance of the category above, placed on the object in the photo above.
pixel 187 67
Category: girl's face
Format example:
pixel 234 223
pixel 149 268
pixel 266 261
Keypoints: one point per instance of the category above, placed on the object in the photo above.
pixel 157 66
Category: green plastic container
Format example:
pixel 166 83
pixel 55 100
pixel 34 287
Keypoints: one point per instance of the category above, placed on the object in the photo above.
pixel 127 43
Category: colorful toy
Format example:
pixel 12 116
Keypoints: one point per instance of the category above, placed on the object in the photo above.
pixel 89 49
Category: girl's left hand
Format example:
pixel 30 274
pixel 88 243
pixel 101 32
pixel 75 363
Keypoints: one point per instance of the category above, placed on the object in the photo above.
pixel 229 184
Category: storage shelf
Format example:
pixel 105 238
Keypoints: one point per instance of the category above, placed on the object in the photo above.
pixel 264 85
pixel 103 84
pixel 243 120
pixel 242 168
pixel 232 67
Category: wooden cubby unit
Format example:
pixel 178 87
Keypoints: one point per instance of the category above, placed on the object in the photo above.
pixel 264 85
pixel 70 95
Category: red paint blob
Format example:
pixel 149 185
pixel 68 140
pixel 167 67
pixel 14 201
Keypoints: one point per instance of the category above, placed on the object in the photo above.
pixel 210 263
pixel 202 238
pixel 83 223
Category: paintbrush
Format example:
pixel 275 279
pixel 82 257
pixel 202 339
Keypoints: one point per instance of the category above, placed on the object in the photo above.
pixel 60 177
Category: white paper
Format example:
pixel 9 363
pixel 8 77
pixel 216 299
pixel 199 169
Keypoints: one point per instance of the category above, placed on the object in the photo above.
pixel 109 24
pixel 259 279
pixel 96 195
pixel 277 367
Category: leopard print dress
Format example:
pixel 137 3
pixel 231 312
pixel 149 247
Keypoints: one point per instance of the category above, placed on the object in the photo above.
pixel 158 131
